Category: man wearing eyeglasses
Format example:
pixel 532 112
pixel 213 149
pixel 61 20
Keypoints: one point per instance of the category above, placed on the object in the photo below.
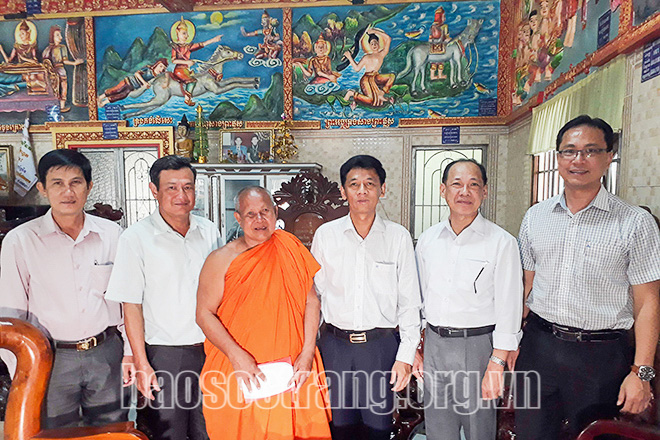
pixel 471 280
pixel 591 270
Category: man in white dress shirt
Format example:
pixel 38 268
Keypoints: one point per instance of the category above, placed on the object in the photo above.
pixel 368 286
pixel 471 281
pixel 156 274
pixel 54 273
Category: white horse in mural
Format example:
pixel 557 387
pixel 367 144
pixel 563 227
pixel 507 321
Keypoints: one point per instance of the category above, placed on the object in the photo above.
pixel 164 87
pixel 419 56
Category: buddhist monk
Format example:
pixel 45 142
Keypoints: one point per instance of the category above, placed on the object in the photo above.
pixel 256 304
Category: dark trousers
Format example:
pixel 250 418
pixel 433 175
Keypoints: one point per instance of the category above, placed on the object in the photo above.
pixel 358 376
pixel 85 387
pixel 176 412
pixel 578 381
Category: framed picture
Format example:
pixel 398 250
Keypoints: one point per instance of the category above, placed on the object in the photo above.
pixel 6 170
pixel 246 146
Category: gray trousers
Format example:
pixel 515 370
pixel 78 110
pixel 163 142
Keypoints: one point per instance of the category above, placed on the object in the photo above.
pixel 453 371
pixel 85 387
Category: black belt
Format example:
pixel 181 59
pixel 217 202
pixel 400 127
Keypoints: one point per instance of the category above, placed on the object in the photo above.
pixel 451 332
pixel 574 334
pixel 359 337
pixel 88 343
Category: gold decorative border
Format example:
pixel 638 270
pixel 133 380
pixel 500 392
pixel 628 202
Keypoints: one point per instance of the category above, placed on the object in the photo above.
pixel 287 61
pixel 625 16
pixel 439 122
pixel 75 137
pixel 76 125
pixel 260 125
pixel 642 34
pixel 91 68
pixel 505 69
pixel 306 125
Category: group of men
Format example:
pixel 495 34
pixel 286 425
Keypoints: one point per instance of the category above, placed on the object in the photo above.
pixel 204 320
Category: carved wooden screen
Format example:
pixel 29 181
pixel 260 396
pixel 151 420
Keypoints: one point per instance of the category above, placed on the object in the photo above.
pixel 308 201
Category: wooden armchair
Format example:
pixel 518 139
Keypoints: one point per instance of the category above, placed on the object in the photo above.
pixel 306 202
pixel 623 430
pixel 28 390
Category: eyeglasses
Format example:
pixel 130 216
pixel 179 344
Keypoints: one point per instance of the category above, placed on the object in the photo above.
pixel 571 154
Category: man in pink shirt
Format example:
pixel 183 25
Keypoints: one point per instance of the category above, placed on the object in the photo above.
pixel 54 273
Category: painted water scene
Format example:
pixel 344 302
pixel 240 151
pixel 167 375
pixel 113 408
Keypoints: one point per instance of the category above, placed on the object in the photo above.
pixel 159 67
pixel 416 60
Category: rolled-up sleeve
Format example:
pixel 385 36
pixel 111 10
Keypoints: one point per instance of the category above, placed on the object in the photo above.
pixel 508 297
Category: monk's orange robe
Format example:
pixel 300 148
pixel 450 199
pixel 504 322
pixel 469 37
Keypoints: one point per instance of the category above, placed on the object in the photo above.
pixel 263 308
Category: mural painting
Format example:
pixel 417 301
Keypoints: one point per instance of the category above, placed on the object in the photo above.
pixel 43 70
pixel 553 35
pixel 643 9
pixel 229 63
pixel 387 62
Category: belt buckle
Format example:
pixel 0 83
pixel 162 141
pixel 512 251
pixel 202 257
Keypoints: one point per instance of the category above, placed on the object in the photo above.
pixel 557 332
pixel 358 338
pixel 86 344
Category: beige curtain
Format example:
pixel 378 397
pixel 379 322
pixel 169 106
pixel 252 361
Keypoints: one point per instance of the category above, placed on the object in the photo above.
pixel 599 95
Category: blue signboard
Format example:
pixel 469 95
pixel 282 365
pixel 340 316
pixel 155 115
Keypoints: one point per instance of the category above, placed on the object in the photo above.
pixel 604 22
pixel 451 135
pixel 488 107
pixel 110 130
pixel 54 113
pixel 651 61
pixel 112 112
pixel 33 7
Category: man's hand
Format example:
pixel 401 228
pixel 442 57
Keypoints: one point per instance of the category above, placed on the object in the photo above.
pixel 401 373
pixel 146 379
pixel 492 385
pixel 512 358
pixel 302 368
pixel 418 366
pixel 635 394
pixel 246 369
pixel 128 370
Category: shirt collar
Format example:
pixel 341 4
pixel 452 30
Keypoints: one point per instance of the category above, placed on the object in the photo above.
pixel 478 226
pixel 48 225
pixel 377 226
pixel 161 226
pixel 601 201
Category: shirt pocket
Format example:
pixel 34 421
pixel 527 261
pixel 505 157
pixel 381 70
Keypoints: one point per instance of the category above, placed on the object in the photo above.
pixel 475 275
pixel 384 282
pixel 99 278
pixel 604 257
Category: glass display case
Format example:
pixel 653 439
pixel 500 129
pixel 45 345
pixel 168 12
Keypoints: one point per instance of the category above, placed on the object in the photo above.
pixel 217 185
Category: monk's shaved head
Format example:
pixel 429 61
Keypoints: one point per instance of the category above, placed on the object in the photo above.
pixel 252 190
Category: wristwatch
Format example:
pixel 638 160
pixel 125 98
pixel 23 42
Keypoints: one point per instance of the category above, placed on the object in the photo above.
pixel 644 372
